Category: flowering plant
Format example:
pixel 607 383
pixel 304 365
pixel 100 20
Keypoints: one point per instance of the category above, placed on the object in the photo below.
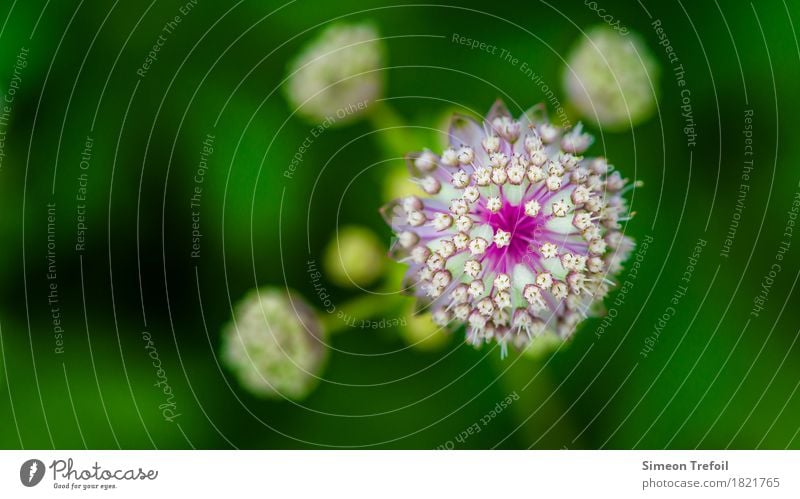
pixel 518 233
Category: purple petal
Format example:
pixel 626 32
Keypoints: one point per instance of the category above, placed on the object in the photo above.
pixel 498 110
pixel 535 115
pixel 439 173
pixel 465 131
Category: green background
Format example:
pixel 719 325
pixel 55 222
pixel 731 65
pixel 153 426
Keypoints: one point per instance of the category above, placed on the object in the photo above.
pixel 718 377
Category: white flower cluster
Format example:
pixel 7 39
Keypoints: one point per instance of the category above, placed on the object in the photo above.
pixel 274 345
pixel 338 74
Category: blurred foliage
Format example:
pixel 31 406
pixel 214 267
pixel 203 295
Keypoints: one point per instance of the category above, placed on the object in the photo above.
pixel 718 377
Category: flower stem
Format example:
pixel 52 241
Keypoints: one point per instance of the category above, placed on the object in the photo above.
pixel 394 136
pixel 352 313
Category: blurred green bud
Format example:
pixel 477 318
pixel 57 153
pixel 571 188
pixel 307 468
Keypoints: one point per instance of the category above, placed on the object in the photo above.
pixel 612 79
pixel 397 185
pixel 337 76
pixel 545 344
pixel 420 332
pixel 354 257
pixel 275 344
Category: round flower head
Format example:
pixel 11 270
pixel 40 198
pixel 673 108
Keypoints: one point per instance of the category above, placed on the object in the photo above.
pixel 612 79
pixel 518 234
pixel 274 345
pixel 337 75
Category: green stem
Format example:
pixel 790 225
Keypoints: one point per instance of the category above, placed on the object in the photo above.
pixel 362 307
pixel 393 133
pixel 396 140
pixel 573 116
pixel 541 412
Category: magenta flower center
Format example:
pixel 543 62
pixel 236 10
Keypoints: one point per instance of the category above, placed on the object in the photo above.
pixel 525 237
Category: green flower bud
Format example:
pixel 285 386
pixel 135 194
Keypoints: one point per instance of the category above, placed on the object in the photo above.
pixel 421 332
pixel 355 257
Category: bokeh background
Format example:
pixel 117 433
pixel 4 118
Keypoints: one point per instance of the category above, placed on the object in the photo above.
pixel 717 376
